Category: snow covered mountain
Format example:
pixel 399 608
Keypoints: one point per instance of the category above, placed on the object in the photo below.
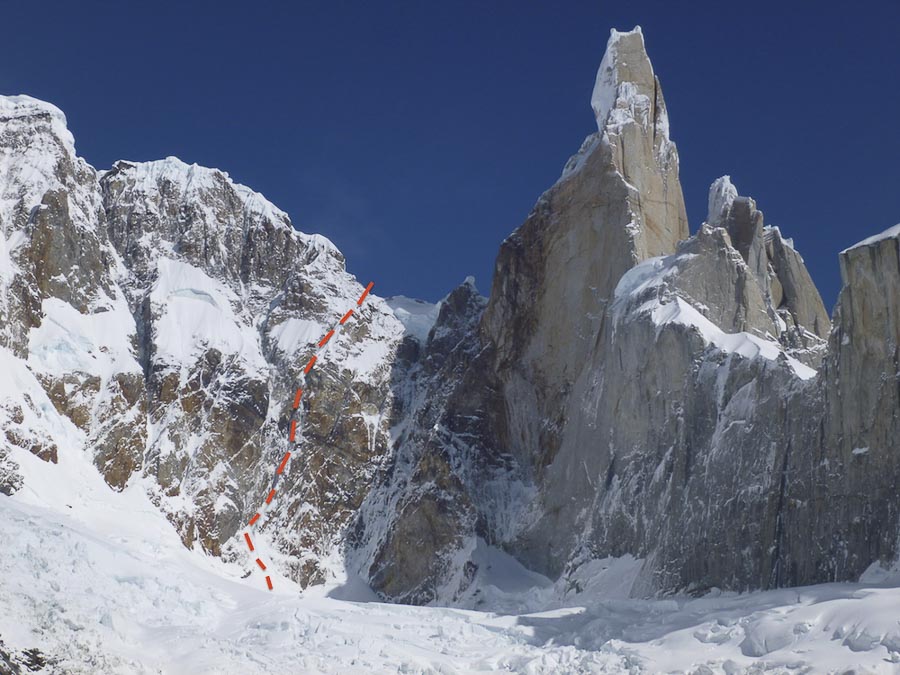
pixel 633 411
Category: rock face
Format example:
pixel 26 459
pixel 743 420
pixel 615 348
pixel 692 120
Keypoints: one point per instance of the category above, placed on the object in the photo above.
pixel 165 310
pixel 792 300
pixel 848 501
pixel 862 395
pixel 229 301
pixel 618 202
pixel 447 484
pixel 673 458
pixel 57 272
pixel 627 389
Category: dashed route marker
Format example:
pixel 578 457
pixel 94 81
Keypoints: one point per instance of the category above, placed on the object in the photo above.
pixel 293 430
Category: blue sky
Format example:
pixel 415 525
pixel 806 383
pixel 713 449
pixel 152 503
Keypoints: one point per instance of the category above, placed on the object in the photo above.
pixel 417 135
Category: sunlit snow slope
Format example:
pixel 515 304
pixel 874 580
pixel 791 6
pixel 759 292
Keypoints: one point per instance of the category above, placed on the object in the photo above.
pixel 98 583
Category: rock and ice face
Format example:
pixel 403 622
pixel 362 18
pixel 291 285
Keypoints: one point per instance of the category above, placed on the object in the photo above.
pixel 618 202
pixel 626 391
pixel 167 310
pixel 50 219
pixel 230 301
pixel 791 298
pixel 619 403
pixel 856 469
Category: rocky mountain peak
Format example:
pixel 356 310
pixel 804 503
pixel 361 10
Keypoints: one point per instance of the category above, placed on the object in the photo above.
pixel 625 88
pixel 722 194
pixel 40 116
pixel 168 207
pixel 792 300
pixel 37 155
pixel 50 210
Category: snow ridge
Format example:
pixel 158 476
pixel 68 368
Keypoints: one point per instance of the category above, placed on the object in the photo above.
pixel 890 233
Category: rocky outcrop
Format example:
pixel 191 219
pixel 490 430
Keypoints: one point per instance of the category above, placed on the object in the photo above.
pixel 49 215
pixel 856 467
pixel 445 482
pixel 791 299
pixel 675 447
pixel 661 407
pixel 57 272
pixel 793 293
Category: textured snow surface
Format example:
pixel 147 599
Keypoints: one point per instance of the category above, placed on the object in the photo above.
pixel 890 233
pixel 722 194
pixel 99 582
pixel 293 335
pixel 746 345
pixel 196 313
pixel 417 316
pixel 97 343
pixel 27 412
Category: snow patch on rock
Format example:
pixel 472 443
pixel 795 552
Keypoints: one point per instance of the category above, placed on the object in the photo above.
pixel 69 341
pixel 645 290
pixel 722 194
pixel 197 313
pixel 890 233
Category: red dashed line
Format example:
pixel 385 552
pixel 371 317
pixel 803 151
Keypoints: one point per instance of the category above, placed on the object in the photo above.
pixel 365 293
pixel 284 462
pixel 326 338
pixel 293 427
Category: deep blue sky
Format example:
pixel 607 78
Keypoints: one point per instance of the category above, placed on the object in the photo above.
pixel 417 135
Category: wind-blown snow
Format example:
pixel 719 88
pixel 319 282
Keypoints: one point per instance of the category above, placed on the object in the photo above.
pixel 749 346
pixel 722 194
pixel 607 88
pixel 292 335
pixel 890 233
pixel 417 316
